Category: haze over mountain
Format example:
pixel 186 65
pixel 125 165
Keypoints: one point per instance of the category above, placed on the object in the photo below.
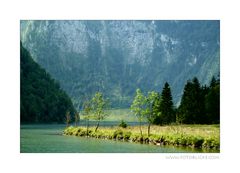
pixel 116 57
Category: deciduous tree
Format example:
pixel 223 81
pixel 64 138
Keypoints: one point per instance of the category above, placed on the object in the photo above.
pixel 99 104
pixel 138 108
pixel 87 108
pixel 150 111
pixel 68 118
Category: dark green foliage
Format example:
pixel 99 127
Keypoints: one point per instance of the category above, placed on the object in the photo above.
pixel 156 110
pixel 163 107
pixel 123 124
pixel 118 134
pixel 127 135
pixel 166 106
pixel 200 105
pixel 191 109
pixel 212 102
pixel 42 100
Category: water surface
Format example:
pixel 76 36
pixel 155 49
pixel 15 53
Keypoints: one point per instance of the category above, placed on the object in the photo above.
pixel 49 139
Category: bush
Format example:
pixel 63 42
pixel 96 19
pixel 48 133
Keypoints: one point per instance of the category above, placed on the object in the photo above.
pixel 155 138
pixel 117 134
pixel 68 130
pixel 134 137
pixel 76 131
pixel 198 141
pixel 123 124
pixel 126 135
pixel 211 143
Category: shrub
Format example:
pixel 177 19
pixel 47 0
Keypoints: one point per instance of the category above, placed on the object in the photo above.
pixel 76 131
pixel 198 141
pixel 211 143
pixel 118 133
pixel 126 135
pixel 123 124
pixel 68 130
pixel 134 137
pixel 155 138
pixel 182 141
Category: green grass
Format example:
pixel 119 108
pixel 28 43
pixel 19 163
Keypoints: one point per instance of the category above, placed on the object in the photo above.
pixel 197 136
pixel 120 114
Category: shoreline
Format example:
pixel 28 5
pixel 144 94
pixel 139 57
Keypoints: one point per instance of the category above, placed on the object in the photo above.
pixel 172 137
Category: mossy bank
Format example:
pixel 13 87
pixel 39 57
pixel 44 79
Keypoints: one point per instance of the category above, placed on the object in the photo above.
pixel 195 136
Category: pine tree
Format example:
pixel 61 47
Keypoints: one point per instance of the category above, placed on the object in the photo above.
pixel 184 111
pixel 212 102
pixel 198 102
pixel 192 107
pixel 166 105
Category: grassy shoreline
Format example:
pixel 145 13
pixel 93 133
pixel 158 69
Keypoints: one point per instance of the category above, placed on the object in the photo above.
pixel 195 136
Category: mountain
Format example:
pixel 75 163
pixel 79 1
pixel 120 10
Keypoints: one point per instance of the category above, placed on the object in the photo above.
pixel 42 100
pixel 117 56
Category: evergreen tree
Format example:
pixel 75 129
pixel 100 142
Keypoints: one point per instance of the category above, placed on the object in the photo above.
pixel 213 82
pixel 184 112
pixel 192 107
pixel 166 106
pixel 212 101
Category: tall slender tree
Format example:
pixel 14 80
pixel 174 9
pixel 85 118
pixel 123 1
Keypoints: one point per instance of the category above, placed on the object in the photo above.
pixel 149 111
pixel 138 107
pixel 68 118
pixel 76 118
pixel 87 108
pixel 99 104
pixel 166 106
pixel 156 110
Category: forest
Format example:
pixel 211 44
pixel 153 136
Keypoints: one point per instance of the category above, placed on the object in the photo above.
pixel 41 98
pixel 159 121
pixel 43 101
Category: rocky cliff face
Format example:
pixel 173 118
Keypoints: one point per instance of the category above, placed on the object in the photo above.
pixel 116 57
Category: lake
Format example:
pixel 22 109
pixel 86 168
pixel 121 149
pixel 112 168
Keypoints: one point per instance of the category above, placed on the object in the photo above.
pixel 49 139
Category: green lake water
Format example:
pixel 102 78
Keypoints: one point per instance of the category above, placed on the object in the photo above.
pixel 49 139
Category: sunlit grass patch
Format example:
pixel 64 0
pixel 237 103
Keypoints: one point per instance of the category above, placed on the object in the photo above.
pixel 197 136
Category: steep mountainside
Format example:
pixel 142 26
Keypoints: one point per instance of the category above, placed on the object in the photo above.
pixel 116 57
pixel 42 100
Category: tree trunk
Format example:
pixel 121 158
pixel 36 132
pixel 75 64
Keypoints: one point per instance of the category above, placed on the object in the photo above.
pixel 140 128
pixel 97 125
pixel 87 126
pixel 149 129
